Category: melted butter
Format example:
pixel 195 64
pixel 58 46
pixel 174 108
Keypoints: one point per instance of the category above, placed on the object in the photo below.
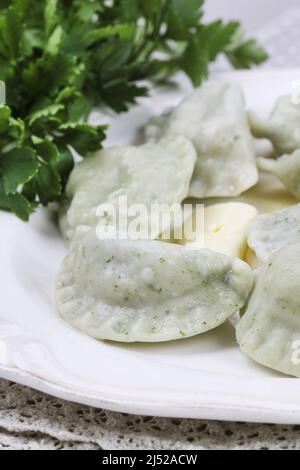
pixel 269 195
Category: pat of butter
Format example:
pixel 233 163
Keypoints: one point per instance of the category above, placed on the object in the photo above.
pixel 225 229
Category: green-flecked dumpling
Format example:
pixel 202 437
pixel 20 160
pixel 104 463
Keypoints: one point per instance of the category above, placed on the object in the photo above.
pixel 148 291
pixel 282 128
pixel 215 120
pixel 287 170
pixel 269 233
pixel 269 331
pixel 157 173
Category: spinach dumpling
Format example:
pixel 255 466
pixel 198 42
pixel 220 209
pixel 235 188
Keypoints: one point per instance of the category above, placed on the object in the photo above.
pixel 287 170
pixel 282 128
pixel 157 173
pixel 269 331
pixel 148 291
pixel 215 120
pixel 269 233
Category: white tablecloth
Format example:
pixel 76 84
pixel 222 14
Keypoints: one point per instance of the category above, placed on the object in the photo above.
pixel 32 420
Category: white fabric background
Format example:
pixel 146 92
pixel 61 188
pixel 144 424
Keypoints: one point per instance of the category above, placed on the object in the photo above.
pixel 32 420
pixel 253 14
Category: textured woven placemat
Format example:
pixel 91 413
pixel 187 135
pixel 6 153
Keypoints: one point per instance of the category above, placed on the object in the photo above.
pixel 33 420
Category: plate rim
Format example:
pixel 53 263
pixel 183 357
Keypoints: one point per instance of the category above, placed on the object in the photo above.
pixel 165 409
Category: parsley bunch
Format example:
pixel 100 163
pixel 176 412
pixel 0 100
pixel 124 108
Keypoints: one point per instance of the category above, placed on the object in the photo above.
pixel 61 58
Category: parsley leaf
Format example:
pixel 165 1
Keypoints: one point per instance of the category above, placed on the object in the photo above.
pixel 17 167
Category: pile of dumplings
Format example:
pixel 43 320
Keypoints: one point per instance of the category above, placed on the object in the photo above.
pixel 152 291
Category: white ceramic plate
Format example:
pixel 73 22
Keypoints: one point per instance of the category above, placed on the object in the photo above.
pixel 203 377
